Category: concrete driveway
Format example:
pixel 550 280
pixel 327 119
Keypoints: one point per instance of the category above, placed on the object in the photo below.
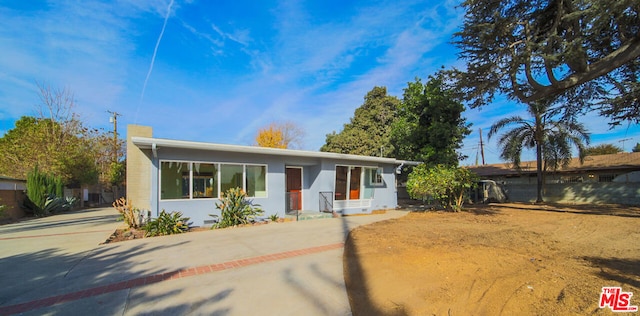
pixel 55 266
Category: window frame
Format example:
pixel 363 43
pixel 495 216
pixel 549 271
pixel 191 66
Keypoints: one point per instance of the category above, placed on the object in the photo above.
pixel 362 182
pixel 217 176
pixel 376 176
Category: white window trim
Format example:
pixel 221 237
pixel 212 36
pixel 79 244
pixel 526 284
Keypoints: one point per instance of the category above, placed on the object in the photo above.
pixel 373 173
pixel 362 184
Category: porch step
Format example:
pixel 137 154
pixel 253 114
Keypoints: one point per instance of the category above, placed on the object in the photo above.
pixel 303 216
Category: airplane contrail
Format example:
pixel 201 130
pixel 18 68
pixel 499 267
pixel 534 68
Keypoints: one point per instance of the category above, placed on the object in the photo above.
pixel 153 58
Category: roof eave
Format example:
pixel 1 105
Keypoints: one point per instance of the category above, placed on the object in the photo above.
pixel 147 143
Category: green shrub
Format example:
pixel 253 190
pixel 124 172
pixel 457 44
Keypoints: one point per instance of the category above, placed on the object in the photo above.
pixel 167 224
pixel 55 204
pixel 42 187
pixel 236 209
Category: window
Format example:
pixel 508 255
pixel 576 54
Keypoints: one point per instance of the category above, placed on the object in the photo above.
pixel 197 180
pixel 230 177
pixel 256 184
pixel 205 180
pixel 375 176
pixel 174 180
pixel 606 177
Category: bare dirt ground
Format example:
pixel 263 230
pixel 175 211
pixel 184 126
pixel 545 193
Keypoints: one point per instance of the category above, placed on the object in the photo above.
pixel 513 259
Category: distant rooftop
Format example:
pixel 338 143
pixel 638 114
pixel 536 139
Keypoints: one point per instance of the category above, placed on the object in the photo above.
pixel 599 162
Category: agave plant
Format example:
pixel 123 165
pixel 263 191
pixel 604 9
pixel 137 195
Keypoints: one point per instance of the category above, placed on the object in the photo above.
pixel 167 224
pixel 236 209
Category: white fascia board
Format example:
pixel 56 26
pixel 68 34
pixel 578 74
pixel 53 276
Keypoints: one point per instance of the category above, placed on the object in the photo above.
pixel 147 143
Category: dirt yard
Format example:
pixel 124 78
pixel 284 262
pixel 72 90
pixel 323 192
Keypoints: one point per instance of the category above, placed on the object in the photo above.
pixel 511 259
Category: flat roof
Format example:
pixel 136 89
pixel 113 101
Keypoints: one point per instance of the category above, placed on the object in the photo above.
pixel 148 142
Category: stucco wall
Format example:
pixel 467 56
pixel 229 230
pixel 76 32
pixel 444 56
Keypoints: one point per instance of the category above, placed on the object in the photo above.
pixel 139 169
pixel 596 193
pixel 318 176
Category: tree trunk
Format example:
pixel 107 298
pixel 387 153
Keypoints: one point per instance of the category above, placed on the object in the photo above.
pixel 539 171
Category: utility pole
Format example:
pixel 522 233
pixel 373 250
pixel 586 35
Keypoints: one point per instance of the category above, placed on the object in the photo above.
pixel 481 146
pixel 114 119
pixel 622 141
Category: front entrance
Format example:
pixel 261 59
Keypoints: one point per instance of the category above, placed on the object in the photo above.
pixel 293 179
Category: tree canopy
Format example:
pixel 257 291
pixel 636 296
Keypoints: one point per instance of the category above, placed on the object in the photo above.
pixel 583 53
pixel 430 127
pixel 368 133
pixel 280 135
pixel 604 149
pixel 56 142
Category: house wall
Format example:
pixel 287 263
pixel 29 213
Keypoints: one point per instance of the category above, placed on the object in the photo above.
pixel 318 176
pixel 590 192
pixel 139 169
pixel 13 200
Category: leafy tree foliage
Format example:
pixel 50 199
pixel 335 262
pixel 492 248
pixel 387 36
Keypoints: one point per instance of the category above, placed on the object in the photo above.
pixel 369 131
pixel 270 137
pixel 57 142
pixel 637 148
pixel 280 135
pixel 584 53
pixel 53 147
pixel 430 126
pixel 552 139
pixel 604 149
pixel 445 184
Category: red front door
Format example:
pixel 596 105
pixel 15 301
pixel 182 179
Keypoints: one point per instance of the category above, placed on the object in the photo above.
pixel 294 188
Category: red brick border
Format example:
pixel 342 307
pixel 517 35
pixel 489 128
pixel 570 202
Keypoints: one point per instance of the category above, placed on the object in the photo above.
pixel 151 279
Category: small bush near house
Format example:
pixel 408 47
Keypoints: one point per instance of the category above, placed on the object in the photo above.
pixel 44 193
pixel 166 224
pixel 236 209
pixel 130 214
pixel 56 204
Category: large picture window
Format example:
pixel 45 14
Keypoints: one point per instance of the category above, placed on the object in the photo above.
pixel 174 180
pixel 256 183
pixel 230 177
pixel 197 180
pixel 205 180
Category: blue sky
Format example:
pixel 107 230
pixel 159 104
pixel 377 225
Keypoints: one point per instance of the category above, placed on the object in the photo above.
pixel 222 69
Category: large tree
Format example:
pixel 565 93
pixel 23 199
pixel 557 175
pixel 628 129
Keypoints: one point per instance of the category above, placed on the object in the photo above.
pixel 584 53
pixel 430 127
pixel 368 132
pixel 56 142
pixel 551 137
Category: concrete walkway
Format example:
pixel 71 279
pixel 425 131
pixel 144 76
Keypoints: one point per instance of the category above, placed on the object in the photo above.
pixel 54 266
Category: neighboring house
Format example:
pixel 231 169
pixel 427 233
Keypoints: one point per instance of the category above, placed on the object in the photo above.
pixel 186 176
pixel 599 179
pixel 12 194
